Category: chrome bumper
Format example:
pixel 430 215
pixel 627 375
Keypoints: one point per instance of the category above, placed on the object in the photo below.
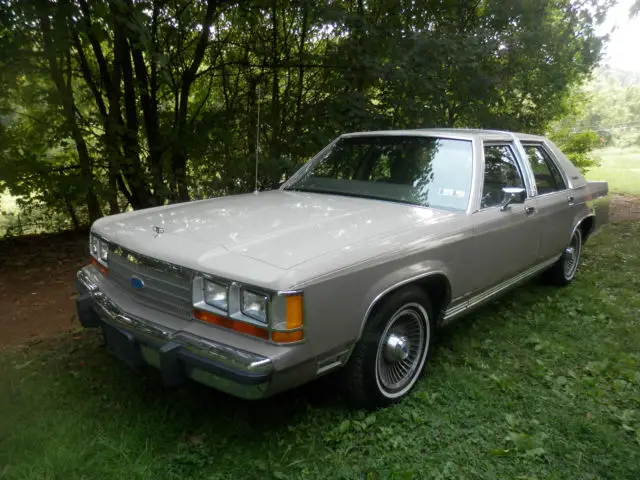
pixel 178 355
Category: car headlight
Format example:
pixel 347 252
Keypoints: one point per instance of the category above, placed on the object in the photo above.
pixel 99 251
pixel 216 294
pixel 104 251
pixel 94 245
pixel 255 305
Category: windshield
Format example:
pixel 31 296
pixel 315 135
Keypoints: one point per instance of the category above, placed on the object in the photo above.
pixel 427 171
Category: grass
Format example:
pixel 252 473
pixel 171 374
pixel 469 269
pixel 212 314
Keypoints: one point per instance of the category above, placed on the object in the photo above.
pixel 544 384
pixel 620 167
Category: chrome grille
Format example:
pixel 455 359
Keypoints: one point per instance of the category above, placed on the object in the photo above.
pixel 166 287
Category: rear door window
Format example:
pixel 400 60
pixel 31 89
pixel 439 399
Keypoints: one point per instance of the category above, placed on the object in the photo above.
pixel 547 174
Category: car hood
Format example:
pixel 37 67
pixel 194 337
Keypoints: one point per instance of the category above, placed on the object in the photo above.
pixel 279 228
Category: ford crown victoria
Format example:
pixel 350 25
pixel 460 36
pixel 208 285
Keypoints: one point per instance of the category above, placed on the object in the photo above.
pixel 351 265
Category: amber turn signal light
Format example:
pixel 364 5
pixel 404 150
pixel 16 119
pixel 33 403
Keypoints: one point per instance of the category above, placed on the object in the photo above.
pixel 231 324
pixel 104 270
pixel 294 312
pixel 287 337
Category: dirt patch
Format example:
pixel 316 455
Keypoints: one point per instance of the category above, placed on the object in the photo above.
pixel 624 208
pixel 37 285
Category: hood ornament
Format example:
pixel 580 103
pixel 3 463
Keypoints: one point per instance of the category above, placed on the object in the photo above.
pixel 157 230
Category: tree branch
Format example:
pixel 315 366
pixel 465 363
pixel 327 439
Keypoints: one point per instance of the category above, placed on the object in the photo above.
pixel 97 48
pixel 85 69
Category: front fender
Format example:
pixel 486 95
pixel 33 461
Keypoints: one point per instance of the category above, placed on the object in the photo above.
pixel 397 279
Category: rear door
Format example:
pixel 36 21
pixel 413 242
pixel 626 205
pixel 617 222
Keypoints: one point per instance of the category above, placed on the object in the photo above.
pixel 555 202
pixel 506 240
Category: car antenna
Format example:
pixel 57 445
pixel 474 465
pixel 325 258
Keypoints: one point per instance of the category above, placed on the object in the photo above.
pixel 255 192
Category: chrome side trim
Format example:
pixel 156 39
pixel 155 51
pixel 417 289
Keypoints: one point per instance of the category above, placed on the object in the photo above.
pixel 333 360
pixel 578 223
pixel 461 307
pixel 477 175
pixel 391 288
pixel 492 292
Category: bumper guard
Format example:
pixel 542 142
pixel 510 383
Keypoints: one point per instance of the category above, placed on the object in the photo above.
pixel 178 355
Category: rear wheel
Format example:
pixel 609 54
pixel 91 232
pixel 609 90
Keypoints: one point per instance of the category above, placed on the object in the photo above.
pixel 390 357
pixel 564 270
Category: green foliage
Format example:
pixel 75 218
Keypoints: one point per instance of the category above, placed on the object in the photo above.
pixel 578 146
pixel 613 108
pixel 544 384
pixel 108 105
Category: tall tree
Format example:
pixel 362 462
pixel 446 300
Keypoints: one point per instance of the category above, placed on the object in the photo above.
pixel 159 98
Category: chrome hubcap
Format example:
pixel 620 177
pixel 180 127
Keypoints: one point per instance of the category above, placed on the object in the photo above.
pixel 402 349
pixel 396 349
pixel 569 253
pixel 572 257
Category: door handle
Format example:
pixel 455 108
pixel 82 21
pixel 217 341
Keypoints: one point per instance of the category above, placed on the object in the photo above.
pixel 570 199
pixel 530 210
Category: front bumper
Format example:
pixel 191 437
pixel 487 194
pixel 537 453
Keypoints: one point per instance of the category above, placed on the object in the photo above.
pixel 177 354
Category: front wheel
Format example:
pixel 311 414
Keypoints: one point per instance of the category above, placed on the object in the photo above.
pixel 391 354
pixel 564 270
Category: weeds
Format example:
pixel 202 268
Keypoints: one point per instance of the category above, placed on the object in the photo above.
pixel 544 384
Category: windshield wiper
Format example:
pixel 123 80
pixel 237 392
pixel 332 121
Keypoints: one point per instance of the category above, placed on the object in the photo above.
pixel 355 195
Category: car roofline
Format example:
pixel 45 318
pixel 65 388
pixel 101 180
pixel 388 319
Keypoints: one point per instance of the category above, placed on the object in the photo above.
pixel 451 133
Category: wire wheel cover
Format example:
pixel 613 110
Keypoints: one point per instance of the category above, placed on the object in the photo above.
pixel 402 349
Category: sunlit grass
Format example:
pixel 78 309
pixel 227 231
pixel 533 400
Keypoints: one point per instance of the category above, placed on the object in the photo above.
pixel 619 167
pixel 544 384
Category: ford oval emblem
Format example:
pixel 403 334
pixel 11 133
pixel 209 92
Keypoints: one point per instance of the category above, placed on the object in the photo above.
pixel 137 283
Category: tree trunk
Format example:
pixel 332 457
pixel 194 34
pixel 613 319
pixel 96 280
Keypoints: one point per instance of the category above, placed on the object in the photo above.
pixel 149 109
pixel 179 158
pixel 120 140
pixel 301 54
pixel 72 214
pixel 66 100
pixel 275 86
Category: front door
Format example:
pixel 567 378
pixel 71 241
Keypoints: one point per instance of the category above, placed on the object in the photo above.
pixel 507 241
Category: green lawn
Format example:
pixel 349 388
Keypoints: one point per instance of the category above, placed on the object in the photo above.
pixel 543 385
pixel 620 167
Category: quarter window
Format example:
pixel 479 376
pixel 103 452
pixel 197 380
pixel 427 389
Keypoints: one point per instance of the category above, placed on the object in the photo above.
pixel 500 170
pixel 546 172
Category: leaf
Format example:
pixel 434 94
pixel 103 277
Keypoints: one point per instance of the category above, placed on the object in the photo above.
pixel 344 426
pixel 498 452
pixel 535 452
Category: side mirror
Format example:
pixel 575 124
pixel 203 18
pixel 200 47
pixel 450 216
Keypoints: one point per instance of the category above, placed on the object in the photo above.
pixel 512 195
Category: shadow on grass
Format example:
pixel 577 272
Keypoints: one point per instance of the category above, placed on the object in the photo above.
pixel 139 393
pixel 194 405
